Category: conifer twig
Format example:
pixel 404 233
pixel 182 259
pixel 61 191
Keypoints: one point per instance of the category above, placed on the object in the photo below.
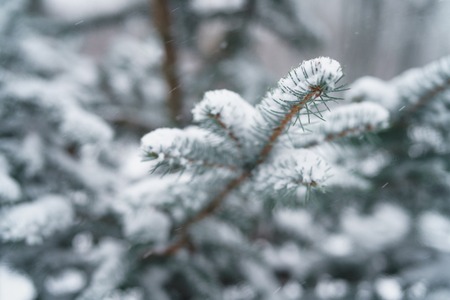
pixel 183 237
pixel 424 99
pixel 231 135
pixel 312 80
pixel 315 93
pixel 338 135
pixel 162 22
pixel 216 202
pixel 207 164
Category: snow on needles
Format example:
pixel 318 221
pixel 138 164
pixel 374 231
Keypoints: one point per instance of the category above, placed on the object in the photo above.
pixel 357 117
pixel 376 90
pixel 293 169
pixel 313 80
pixel 14 285
pixel 207 7
pixel 226 107
pixel 146 225
pixel 322 72
pixel 386 226
pixel 191 146
pixel 159 140
pixel 350 120
pixel 32 222
pixel 9 188
pixel 83 127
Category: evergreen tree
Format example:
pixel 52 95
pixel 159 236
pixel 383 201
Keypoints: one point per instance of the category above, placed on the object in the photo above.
pixel 300 196
pixel 237 165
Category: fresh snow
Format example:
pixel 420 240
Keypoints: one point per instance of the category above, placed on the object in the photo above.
pixel 293 169
pixel 375 90
pixel 206 7
pixel 233 111
pixel 84 127
pixel 353 120
pixel 10 189
pixel 322 72
pixel 434 229
pixel 34 221
pixel 15 286
pixel 386 226
pixel 146 225
pixel 74 11
pixel 65 282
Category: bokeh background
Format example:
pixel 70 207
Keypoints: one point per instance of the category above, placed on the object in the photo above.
pixel 81 81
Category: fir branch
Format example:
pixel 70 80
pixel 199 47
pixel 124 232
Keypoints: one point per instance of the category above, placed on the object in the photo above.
pixel 292 169
pixel 178 149
pixel 353 119
pixel 196 163
pixel 183 238
pixel 424 99
pixel 408 93
pixel 183 233
pixel 163 23
pixel 331 137
pixel 293 94
pixel 315 92
pixel 217 119
pixel 226 114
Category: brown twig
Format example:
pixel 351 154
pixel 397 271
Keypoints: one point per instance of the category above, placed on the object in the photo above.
pixel 162 22
pixel 230 133
pixel 334 136
pixel 183 237
pixel 424 99
pixel 315 92
pixel 204 163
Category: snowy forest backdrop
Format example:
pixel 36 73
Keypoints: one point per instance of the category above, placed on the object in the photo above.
pixel 82 81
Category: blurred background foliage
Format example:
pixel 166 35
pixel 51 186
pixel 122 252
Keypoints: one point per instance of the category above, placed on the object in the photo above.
pixel 81 82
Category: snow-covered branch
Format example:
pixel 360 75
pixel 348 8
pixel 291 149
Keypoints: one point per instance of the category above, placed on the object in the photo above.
pixel 224 114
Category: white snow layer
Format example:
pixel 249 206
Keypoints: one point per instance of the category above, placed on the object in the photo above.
pixel 179 146
pixel 66 282
pixel 414 84
pixel 109 255
pixel 206 7
pixel 160 141
pixel 375 90
pixel 386 226
pixel 58 100
pixel 322 72
pixel 146 225
pixel 293 169
pixel 356 117
pixel 128 294
pixel 73 11
pixel 15 286
pixel 350 120
pixel 147 192
pixel 388 288
pixel 298 222
pixel 9 189
pixel 84 127
pixel 338 245
pixel 304 83
pixel 219 233
pixel 32 222
pixel 33 154
pixel 405 90
pixel 434 229
pixel 229 107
